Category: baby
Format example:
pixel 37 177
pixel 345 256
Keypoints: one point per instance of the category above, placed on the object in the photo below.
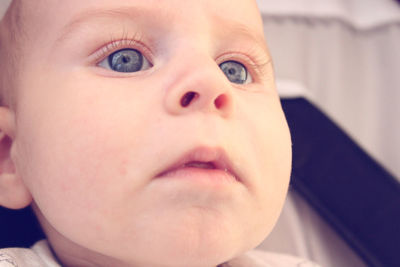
pixel 142 133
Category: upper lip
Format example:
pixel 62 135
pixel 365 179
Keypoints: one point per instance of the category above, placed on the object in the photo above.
pixel 215 157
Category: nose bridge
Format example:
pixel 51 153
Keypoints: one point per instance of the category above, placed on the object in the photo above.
pixel 199 85
pixel 203 73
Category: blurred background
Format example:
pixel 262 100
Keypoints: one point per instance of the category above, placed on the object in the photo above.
pixel 344 57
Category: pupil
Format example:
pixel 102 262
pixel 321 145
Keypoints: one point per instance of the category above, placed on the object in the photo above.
pixel 126 59
pixel 232 71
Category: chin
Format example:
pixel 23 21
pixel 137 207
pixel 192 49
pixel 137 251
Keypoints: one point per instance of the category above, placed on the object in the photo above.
pixel 211 248
pixel 204 257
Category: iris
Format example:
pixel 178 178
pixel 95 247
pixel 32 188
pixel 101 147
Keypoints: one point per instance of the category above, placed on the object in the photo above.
pixel 234 71
pixel 126 60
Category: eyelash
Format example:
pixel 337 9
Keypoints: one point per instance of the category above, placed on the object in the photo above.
pixel 134 42
pixel 256 65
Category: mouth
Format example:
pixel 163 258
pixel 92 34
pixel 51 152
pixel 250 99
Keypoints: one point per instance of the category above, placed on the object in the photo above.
pixel 202 162
pixel 199 164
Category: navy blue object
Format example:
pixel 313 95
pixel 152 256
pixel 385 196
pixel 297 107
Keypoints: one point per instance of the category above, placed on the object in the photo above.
pixel 355 195
pixel 18 228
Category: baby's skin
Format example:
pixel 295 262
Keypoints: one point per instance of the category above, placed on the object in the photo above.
pixel 145 133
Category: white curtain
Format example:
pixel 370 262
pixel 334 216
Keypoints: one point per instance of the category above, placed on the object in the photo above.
pixel 346 55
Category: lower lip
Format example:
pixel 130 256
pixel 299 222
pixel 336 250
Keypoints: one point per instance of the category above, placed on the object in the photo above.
pixel 191 173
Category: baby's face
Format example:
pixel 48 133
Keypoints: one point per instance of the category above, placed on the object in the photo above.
pixel 181 159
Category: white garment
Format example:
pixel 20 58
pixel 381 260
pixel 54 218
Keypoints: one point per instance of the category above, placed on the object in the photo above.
pixel 40 255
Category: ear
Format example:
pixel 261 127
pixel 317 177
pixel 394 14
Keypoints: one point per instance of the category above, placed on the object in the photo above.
pixel 13 192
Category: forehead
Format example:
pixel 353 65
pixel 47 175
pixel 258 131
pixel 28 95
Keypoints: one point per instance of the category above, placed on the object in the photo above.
pixel 56 14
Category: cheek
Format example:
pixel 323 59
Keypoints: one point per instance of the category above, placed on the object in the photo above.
pixel 270 142
pixel 66 159
pixel 77 146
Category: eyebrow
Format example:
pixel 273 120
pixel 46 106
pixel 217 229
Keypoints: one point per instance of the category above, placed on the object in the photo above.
pixel 244 31
pixel 93 14
pixel 132 12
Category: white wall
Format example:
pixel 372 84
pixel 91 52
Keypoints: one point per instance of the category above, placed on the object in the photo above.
pixel 3 6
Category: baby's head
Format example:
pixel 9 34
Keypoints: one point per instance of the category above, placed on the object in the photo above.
pixel 143 133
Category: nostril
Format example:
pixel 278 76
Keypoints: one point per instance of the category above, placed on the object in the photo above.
pixel 187 98
pixel 220 101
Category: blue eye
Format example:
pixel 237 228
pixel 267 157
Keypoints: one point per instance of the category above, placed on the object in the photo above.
pixel 126 60
pixel 235 72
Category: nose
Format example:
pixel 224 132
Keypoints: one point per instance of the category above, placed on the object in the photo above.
pixel 199 87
